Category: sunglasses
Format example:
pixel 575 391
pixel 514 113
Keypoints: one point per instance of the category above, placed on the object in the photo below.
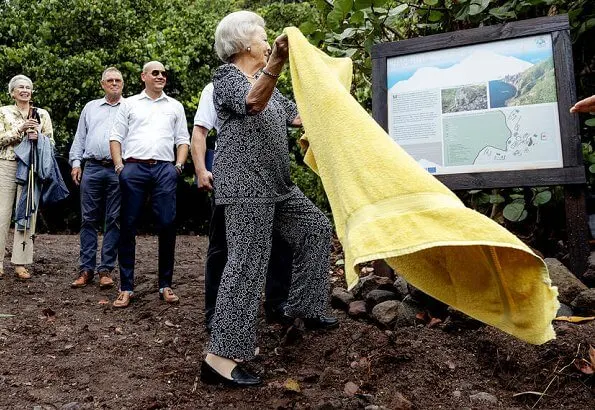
pixel 155 73
pixel 113 80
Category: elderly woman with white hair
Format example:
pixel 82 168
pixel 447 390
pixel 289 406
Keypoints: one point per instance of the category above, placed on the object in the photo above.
pixel 252 182
pixel 17 121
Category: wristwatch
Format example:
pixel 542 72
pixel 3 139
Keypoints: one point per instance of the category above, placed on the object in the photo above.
pixel 179 168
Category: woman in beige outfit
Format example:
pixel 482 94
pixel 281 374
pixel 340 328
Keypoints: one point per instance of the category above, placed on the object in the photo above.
pixel 14 126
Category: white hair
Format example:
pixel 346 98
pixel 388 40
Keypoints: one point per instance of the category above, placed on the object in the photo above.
pixel 109 70
pixel 234 33
pixel 13 82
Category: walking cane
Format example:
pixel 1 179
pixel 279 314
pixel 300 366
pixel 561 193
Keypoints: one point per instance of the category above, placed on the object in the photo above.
pixel 29 202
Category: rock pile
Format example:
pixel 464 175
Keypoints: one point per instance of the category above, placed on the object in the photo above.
pixel 386 298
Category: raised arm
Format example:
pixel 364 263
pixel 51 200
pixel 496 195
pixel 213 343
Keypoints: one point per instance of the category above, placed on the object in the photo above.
pixel 262 90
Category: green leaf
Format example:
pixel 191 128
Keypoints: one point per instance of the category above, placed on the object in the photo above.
pixel 514 212
pixel 340 262
pixel 435 16
pixel 463 13
pixel 517 196
pixel 362 4
pixel 334 19
pixel 378 3
pixel 592 169
pixel 308 28
pixel 483 199
pixel 542 198
pixel 431 2
pixel 3 315
pixel 590 122
pixel 477 6
pixel 496 199
pixel 474 191
pixel 358 18
pixel 344 5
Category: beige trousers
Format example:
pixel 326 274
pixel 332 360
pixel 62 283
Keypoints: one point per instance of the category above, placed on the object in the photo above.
pixel 8 189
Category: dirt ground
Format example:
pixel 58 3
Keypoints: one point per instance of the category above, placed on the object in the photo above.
pixel 66 346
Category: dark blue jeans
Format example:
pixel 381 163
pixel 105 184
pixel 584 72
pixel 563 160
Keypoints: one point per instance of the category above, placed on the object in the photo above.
pixel 100 195
pixel 278 278
pixel 136 182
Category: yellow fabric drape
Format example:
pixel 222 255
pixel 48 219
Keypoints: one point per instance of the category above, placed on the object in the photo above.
pixel 385 206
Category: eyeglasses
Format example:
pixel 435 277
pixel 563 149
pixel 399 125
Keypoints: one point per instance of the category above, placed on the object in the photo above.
pixel 155 73
pixel 113 80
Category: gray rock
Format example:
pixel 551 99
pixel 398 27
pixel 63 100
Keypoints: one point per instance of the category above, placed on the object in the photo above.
pixel 584 303
pixel 407 313
pixel 386 313
pixel 401 287
pixel 483 397
pixel 372 282
pixel 358 309
pixel 341 298
pixel 569 286
pixel 394 313
pixel 378 296
pixel 592 260
pixel 381 268
pixel 564 310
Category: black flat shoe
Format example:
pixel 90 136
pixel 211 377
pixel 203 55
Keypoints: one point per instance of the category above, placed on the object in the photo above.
pixel 324 322
pixel 240 377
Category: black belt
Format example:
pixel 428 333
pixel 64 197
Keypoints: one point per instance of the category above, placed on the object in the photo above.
pixel 108 163
pixel 145 161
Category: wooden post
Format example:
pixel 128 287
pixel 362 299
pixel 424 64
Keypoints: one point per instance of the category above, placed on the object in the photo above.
pixel 577 227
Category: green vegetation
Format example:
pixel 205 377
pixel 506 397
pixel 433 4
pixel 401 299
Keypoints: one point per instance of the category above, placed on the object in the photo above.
pixel 64 46
pixel 468 98
pixel 536 85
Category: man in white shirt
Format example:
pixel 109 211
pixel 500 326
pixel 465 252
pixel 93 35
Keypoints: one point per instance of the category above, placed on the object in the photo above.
pixel 278 278
pixel 98 182
pixel 147 128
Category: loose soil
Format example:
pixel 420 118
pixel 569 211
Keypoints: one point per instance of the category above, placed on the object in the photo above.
pixel 65 346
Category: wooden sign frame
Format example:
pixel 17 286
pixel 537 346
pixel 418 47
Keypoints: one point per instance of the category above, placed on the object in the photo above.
pixel 571 175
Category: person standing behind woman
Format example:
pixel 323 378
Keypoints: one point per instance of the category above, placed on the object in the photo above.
pixel 252 182
pixel 14 126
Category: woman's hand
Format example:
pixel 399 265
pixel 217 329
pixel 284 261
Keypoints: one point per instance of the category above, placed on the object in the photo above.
pixel 205 180
pixel 280 51
pixel 29 124
pixel 586 105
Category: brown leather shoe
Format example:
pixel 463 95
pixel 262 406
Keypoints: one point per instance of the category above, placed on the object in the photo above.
pixel 22 272
pixel 123 299
pixel 168 296
pixel 105 280
pixel 84 278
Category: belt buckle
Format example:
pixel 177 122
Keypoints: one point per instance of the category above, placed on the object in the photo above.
pixel 152 162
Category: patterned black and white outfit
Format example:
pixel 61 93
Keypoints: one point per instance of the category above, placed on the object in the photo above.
pixel 252 182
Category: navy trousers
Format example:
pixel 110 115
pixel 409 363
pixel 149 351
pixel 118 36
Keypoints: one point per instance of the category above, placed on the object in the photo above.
pixel 100 195
pixel 136 182
pixel 278 280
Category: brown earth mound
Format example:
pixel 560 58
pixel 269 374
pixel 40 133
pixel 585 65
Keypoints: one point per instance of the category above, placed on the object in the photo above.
pixel 67 348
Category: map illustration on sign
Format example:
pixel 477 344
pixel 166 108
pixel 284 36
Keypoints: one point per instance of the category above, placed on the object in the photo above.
pixel 477 108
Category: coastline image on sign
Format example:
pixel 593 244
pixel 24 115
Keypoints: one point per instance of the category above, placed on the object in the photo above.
pixel 477 108
pixel 466 98
pixel 535 85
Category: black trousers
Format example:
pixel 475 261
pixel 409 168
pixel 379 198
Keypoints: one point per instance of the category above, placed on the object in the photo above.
pixel 278 278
